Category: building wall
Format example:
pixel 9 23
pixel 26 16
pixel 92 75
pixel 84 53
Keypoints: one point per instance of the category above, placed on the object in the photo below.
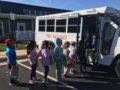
pixel 9 29
pixel 5 24
pixel 28 24
pixel 24 9
pixel 5 28
pixel 10 26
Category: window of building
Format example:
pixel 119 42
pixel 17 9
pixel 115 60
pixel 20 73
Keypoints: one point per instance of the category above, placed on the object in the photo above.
pixel 26 11
pixel 1 28
pixel 50 25
pixel 42 25
pixel 32 12
pixel 47 13
pixel 61 25
pixel 0 9
pixel 42 12
pixel 38 13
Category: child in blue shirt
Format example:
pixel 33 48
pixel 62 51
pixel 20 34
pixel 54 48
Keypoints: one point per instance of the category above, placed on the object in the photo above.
pixel 11 59
pixel 58 58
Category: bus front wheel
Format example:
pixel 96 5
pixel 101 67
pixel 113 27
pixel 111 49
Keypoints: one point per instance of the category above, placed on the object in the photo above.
pixel 117 68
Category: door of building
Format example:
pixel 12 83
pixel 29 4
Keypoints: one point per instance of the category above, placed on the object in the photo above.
pixel 21 27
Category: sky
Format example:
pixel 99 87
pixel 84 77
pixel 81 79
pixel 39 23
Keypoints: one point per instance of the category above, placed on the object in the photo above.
pixel 71 4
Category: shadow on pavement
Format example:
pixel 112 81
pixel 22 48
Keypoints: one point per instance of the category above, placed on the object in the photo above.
pixel 49 86
pixel 40 86
pixel 95 86
pixel 94 80
pixel 97 76
pixel 24 85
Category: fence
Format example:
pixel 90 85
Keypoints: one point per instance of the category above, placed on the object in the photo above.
pixel 25 35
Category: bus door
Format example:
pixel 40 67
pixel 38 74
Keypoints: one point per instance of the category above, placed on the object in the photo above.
pixel 107 41
pixel 90 30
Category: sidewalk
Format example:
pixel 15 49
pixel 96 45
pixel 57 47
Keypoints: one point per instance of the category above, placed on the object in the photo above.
pixel 18 52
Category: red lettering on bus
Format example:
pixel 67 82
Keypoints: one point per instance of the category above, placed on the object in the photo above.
pixel 49 35
pixel 56 36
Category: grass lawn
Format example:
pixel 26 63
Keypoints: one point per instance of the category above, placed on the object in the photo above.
pixel 18 46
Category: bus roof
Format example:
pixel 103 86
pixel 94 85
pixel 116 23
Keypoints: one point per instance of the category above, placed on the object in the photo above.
pixel 101 10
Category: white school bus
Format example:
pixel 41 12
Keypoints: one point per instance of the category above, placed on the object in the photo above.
pixel 77 25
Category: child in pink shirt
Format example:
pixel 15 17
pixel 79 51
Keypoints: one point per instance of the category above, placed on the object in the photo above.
pixel 33 62
pixel 44 53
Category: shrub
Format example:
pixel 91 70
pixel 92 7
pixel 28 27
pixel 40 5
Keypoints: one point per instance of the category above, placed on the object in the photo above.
pixel 19 46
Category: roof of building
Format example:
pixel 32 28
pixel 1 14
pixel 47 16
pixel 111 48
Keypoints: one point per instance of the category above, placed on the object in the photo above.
pixel 6 3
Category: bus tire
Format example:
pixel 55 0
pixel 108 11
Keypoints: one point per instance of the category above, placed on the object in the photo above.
pixel 117 68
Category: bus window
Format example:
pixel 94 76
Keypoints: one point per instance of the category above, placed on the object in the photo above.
pixel 107 37
pixel 42 25
pixel 72 25
pixel 61 25
pixel 50 25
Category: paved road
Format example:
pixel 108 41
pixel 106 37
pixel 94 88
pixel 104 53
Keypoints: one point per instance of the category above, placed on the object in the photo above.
pixel 90 80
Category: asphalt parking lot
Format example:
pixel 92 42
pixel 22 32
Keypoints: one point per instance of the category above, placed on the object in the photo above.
pixel 24 74
pixel 89 80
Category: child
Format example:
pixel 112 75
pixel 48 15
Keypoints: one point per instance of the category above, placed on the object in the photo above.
pixel 11 60
pixel 58 55
pixel 81 55
pixel 32 55
pixel 67 60
pixel 51 48
pixel 45 59
pixel 73 56
pixel 30 45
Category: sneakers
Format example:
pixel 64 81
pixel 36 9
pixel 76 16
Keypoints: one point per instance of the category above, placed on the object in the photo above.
pixel 10 84
pixel 71 73
pixel 14 82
